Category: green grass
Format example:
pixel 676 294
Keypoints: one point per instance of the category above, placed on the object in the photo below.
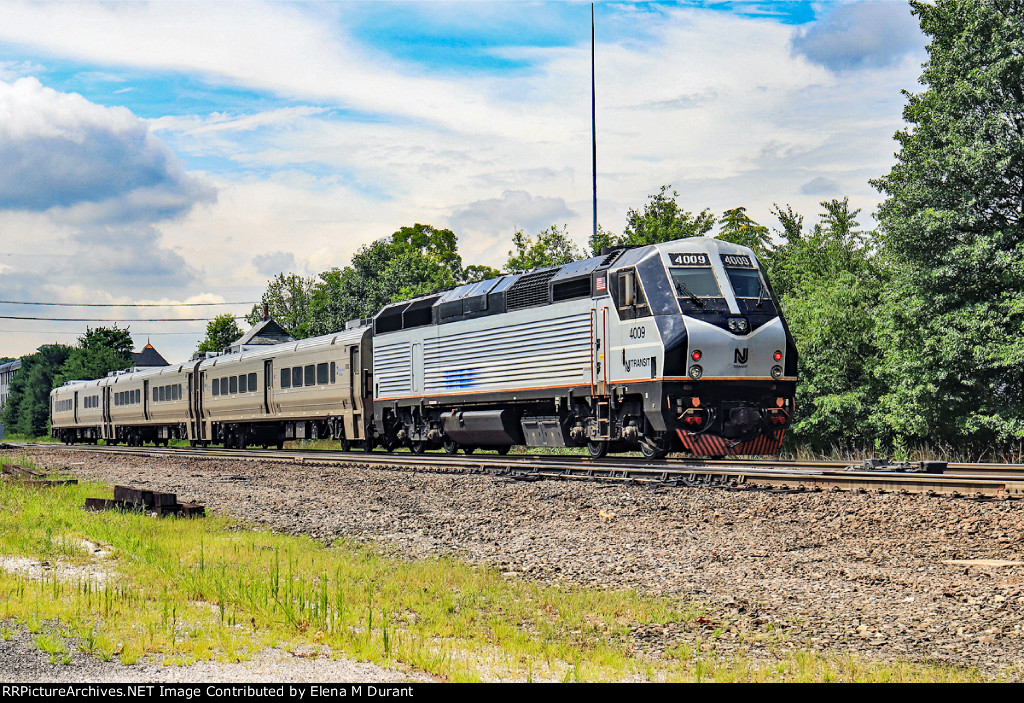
pixel 44 439
pixel 181 591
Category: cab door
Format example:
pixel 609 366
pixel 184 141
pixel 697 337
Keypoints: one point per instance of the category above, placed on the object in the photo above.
pixel 598 350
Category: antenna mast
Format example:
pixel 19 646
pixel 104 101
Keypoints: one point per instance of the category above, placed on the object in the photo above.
pixel 593 114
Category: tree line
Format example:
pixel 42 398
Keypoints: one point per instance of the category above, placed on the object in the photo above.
pixel 910 333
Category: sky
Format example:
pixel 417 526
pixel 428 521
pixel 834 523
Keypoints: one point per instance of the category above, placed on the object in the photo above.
pixel 187 152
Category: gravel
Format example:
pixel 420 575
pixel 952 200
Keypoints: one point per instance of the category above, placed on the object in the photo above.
pixel 882 577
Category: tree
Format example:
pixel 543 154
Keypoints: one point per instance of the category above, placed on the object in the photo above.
pixel 287 298
pixel 738 228
pixel 100 351
pixel 828 283
pixel 952 234
pixel 662 220
pixel 221 331
pixel 552 247
pixel 27 411
pixel 413 261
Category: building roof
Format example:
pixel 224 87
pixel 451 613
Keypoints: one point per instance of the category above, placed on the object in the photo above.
pixel 148 357
pixel 263 332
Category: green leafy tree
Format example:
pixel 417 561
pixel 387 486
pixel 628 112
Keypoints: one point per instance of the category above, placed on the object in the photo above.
pixel 27 411
pixel 476 272
pixel 662 220
pixel 287 299
pixel 738 228
pixel 551 247
pixel 952 234
pixel 221 331
pixel 100 351
pixel 828 284
pixel 413 261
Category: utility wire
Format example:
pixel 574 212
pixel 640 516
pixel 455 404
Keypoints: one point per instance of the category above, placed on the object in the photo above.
pixel 115 319
pixel 122 305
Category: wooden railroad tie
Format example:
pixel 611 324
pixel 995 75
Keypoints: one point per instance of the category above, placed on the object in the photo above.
pixel 128 499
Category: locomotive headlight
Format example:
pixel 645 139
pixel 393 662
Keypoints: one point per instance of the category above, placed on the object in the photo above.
pixel 776 372
pixel 696 372
pixel 739 325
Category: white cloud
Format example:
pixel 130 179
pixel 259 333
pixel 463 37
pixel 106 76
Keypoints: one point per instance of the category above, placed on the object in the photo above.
pixel 861 34
pixel 92 163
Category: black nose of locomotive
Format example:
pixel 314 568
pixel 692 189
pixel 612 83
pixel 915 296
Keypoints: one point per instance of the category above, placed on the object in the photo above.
pixel 741 422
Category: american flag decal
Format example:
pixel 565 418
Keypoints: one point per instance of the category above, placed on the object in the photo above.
pixel 600 283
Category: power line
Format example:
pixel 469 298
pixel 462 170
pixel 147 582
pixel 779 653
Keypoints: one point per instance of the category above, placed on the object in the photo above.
pixel 115 319
pixel 78 334
pixel 123 305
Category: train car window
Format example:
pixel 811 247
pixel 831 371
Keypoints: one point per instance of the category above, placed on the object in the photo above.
pixel 297 377
pixel 310 376
pixel 216 386
pixel 252 382
pixel 137 396
pixel 243 383
pixel 159 392
pixel 333 375
pixel 286 378
pixel 321 373
pixel 233 384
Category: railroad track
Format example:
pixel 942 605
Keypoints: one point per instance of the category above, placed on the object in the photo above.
pixel 986 481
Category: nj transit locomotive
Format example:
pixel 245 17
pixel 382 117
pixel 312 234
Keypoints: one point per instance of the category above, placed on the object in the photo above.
pixel 674 346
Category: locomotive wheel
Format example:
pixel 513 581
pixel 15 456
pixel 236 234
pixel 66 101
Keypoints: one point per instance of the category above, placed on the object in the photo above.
pixel 346 446
pixel 417 447
pixel 503 450
pixel 450 446
pixel 368 445
pixel 469 450
pixel 597 449
pixel 654 447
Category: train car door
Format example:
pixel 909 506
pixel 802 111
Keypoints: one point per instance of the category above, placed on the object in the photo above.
pixel 108 427
pixel 417 367
pixel 268 382
pixel 76 407
pixel 599 344
pixel 145 400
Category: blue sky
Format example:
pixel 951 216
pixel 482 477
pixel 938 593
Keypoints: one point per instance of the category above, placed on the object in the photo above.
pixel 186 152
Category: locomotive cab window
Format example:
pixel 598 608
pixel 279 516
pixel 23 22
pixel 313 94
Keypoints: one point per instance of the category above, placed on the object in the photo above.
pixel 747 283
pixel 695 287
pixel 632 302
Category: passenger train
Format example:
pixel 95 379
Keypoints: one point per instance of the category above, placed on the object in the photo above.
pixel 678 346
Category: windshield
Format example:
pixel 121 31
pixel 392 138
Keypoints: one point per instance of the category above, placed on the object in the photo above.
pixel 747 283
pixel 695 282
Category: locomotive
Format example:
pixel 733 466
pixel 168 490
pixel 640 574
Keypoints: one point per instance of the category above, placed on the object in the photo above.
pixel 678 346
